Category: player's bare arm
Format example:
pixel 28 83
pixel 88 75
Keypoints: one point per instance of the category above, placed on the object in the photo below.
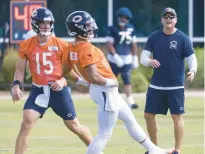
pixel 134 48
pixel 68 73
pixel 117 58
pixel 18 78
pixel 135 63
pixel 111 48
pixel 96 78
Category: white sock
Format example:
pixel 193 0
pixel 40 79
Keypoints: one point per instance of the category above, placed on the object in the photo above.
pixel 147 144
pixel 130 100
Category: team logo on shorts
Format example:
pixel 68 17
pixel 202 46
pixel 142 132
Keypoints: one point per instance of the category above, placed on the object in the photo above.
pixel 69 115
pixel 173 45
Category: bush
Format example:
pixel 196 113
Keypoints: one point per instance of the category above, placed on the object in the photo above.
pixel 199 78
pixel 9 65
pixel 138 81
pixel 146 71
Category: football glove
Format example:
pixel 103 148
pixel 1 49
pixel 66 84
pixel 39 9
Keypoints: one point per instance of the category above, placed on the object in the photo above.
pixel 135 63
pixel 118 60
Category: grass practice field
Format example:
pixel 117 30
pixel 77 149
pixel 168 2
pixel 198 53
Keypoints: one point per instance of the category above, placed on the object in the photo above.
pixel 50 136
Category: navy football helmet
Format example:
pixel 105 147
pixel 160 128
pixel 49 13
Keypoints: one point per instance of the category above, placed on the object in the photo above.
pixel 81 24
pixel 40 15
pixel 123 16
pixel 124 11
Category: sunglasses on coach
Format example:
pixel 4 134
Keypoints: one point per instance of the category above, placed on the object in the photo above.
pixel 170 17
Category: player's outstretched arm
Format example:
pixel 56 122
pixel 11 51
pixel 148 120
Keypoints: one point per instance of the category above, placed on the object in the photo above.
pixel 20 69
pixel 18 78
pixel 70 74
pixel 111 48
pixel 96 78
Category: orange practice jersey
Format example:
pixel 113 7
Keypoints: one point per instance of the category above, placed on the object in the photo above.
pixel 45 62
pixel 84 54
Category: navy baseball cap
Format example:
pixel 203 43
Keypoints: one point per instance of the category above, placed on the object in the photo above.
pixel 169 10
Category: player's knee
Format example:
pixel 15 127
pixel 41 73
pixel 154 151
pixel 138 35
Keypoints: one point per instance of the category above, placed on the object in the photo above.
pixel 176 117
pixel 27 124
pixel 149 116
pixel 75 127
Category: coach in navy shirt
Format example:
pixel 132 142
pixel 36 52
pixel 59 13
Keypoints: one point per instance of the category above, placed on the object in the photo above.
pixel 169 47
pixel 122 55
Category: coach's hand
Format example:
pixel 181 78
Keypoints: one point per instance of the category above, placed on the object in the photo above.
pixel 154 63
pixel 190 76
pixel 58 85
pixel 16 93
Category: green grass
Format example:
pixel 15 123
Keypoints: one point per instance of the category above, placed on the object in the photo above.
pixel 50 136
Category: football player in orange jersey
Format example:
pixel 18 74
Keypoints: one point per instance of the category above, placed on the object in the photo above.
pixel 45 56
pixel 90 64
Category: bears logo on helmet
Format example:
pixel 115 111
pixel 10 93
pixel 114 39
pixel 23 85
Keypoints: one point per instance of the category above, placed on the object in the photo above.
pixel 81 24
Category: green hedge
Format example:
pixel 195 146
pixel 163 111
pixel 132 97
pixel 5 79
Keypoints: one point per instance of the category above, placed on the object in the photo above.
pixel 9 65
pixel 199 78
pixel 140 77
pixel 138 81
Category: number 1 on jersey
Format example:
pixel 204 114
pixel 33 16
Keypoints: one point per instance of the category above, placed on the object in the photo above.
pixel 45 62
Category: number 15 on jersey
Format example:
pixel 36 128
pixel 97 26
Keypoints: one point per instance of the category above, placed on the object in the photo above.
pixel 45 62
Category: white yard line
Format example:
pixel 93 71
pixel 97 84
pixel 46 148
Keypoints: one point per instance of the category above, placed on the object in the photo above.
pixel 6 96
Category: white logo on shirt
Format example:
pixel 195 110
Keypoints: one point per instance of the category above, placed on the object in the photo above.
pixel 52 48
pixel 173 45
pixel 181 108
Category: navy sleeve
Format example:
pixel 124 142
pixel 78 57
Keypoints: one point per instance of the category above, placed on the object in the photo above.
pixel 149 44
pixel 188 47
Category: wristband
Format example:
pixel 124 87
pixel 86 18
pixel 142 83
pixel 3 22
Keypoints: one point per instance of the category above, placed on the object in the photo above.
pixel 17 82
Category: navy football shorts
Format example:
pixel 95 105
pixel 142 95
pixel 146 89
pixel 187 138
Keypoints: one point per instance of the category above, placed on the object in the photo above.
pixel 159 101
pixel 125 72
pixel 60 101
